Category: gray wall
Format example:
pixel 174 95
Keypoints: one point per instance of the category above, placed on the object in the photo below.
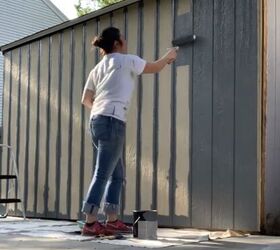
pixel 272 163
pixel 224 115
pixel 21 18
pixel 192 138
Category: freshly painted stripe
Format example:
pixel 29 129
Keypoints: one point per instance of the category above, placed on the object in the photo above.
pixel 155 110
pixel 9 122
pixel 71 72
pixel 139 108
pixel 18 122
pixel 58 136
pixel 65 117
pixel 82 145
pixel 46 191
pixel 172 166
pixel 37 160
pixel 26 162
pixel 2 128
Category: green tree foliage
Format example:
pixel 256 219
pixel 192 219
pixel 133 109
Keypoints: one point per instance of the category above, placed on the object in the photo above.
pixel 103 3
pixel 86 6
pixel 81 9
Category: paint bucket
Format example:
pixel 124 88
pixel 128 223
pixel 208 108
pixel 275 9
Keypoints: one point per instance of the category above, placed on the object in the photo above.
pixel 145 224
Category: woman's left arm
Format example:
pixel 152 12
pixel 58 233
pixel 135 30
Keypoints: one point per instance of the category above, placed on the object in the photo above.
pixel 88 98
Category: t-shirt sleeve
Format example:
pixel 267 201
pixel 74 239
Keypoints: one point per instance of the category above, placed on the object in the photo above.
pixel 90 82
pixel 137 64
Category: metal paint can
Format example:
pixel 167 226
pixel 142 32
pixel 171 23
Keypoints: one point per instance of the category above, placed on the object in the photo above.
pixel 145 224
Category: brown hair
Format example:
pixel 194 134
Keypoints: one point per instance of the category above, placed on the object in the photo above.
pixel 107 39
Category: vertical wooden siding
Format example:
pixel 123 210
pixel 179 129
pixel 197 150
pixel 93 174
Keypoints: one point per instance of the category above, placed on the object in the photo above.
pixel 224 115
pixel 272 144
pixel 191 139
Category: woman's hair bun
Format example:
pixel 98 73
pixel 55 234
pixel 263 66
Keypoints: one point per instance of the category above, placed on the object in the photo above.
pixel 106 39
pixel 97 42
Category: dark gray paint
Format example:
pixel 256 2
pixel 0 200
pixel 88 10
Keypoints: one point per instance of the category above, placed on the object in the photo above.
pixel 2 130
pixel 182 26
pixel 172 163
pixel 36 168
pixel 71 72
pixel 201 157
pixel 82 160
pixel 18 121
pixel 46 187
pixel 223 114
pixel 223 107
pixel 26 158
pixel 246 116
pixel 155 110
pixel 9 122
pixel 18 106
pixel 139 108
pixel 58 135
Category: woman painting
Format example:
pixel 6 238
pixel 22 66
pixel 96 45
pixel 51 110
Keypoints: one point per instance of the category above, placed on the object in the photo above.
pixel 107 94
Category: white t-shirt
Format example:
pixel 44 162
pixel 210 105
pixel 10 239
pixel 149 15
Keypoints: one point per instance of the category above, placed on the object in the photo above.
pixel 112 81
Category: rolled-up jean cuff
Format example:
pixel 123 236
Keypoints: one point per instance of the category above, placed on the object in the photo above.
pixel 90 208
pixel 110 208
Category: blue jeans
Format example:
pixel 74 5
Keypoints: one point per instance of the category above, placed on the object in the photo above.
pixel 108 137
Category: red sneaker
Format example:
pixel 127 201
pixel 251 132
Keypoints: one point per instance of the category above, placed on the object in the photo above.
pixel 118 227
pixel 97 229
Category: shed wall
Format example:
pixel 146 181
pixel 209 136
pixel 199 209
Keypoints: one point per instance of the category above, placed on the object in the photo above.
pixel 22 18
pixel 272 170
pixel 191 141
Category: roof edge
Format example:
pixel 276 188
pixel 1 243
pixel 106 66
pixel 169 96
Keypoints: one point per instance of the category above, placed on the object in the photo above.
pixel 67 24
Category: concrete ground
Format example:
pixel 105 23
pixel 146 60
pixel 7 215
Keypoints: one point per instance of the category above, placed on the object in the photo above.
pixel 14 235
pixel 30 243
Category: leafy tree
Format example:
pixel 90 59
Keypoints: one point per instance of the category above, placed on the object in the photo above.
pixel 86 6
pixel 103 3
pixel 82 10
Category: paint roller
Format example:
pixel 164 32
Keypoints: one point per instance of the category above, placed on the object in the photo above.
pixel 183 41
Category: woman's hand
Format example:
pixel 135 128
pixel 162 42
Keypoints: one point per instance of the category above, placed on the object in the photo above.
pixel 158 65
pixel 171 55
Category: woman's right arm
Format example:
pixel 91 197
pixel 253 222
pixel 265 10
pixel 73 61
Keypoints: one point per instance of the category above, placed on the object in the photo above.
pixel 89 92
pixel 88 98
pixel 157 66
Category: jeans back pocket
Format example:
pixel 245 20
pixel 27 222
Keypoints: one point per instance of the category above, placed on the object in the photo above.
pixel 101 128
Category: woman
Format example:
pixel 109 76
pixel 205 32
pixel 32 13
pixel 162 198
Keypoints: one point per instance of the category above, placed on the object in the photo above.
pixel 107 93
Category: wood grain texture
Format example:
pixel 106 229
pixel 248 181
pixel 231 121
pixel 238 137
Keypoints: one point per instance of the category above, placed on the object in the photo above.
pixel 271 189
pixel 246 207
pixel 33 92
pixel 147 109
pixel 43 106
pixel 65 114
pixel 76 120
pixel 202 115
pixel 130 188
pixel 6 117
pixel 223 114
pixel 13 111
pixel 164 113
